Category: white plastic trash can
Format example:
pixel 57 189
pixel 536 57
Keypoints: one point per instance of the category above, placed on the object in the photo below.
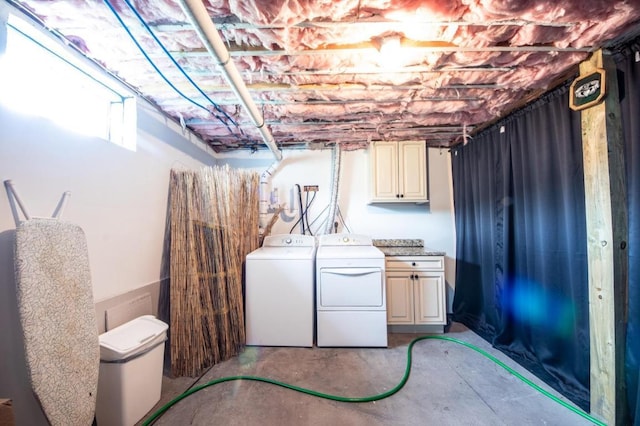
pixel 130 379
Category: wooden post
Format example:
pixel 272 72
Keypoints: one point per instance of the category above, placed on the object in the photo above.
pixel 607 235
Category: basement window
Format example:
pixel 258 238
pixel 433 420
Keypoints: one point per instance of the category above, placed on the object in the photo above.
pixel 39 76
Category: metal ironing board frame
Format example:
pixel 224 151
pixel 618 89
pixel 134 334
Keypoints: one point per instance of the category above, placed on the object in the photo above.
pixel 14 199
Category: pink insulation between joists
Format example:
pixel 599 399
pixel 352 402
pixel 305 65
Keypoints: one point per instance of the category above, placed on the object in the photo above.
pixel 507 49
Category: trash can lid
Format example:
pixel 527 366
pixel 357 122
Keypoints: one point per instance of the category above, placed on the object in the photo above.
pixel 131 338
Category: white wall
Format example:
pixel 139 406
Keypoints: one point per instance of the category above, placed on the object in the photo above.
pixel 118 197
pixel 433 223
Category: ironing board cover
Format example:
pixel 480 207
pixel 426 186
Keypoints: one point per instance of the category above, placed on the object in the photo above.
pixel 55 303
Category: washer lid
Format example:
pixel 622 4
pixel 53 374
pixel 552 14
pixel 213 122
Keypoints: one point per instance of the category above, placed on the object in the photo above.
pixel 276 253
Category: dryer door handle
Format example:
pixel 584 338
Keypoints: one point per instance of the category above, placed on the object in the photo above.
pixel 350 271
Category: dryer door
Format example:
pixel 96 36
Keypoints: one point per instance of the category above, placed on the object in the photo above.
pixel 350 289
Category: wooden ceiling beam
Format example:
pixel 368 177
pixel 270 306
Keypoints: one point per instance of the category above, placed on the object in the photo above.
pixel 232 23
pixel 322 87
pixel 278 102
pixel 364 71
pixel 237 51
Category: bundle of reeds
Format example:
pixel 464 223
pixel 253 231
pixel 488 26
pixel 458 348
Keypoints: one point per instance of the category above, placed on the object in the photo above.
pixel 214 225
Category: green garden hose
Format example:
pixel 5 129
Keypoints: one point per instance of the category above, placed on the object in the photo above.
pixel 378 397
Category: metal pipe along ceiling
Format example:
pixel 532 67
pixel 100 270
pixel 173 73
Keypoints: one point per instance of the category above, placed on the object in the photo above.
pixel 208 33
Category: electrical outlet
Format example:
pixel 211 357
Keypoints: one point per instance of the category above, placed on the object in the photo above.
pixel 310 188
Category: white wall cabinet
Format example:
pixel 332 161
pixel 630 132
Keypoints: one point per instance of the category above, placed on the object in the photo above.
pixel 415 290
pixel 398 172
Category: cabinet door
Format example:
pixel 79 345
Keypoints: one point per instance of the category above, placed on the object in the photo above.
pixel 399 298
pixel 384 172
pixel 412 171
pixel 429 298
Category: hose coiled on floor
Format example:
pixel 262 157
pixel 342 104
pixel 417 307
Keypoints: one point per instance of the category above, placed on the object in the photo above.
pixel 377 397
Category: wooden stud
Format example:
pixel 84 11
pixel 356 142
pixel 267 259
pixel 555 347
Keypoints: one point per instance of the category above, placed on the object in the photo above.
pixel 607 233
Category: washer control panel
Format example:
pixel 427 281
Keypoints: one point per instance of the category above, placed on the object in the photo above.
pixel 289 240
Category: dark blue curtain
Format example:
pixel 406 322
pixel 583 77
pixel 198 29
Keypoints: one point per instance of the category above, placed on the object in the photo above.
pixel 630 108
pixel 521 277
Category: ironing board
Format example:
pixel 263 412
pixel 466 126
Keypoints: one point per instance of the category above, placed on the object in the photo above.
pixel 55 304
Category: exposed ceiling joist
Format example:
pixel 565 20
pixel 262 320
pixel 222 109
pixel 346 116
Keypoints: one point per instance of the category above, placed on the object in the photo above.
pixel 347 101
pixel 369 70
pixel 201 122
pixel 281 87
pixel 238 51
pixel 234 24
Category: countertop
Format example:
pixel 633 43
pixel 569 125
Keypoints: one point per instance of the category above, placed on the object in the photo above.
pixel 405 247
pixel 410 251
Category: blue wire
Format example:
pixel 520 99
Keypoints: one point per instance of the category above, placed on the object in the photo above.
pixel 142 21
pixel 154 65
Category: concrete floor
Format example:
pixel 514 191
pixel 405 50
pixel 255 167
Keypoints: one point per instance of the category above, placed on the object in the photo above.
pixel 449 385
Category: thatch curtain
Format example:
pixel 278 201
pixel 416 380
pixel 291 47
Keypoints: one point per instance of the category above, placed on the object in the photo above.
pixel 213 226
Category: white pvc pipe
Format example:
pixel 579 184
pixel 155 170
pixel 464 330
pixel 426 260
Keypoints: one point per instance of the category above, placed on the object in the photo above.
pixel 208 33
pixel 265 178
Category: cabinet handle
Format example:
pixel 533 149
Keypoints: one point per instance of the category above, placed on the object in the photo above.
pixel 397 195
pixel 401 195
pixel 413 263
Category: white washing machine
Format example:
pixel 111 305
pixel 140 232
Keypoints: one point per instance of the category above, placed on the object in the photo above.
pixel 279 292
pixel 351 308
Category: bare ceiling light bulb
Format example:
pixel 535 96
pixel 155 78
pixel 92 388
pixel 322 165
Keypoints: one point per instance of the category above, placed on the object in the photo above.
pixel 390 47
pixel 393 55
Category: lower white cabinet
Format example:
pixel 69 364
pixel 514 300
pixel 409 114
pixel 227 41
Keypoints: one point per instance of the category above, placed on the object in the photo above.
pixel 415 290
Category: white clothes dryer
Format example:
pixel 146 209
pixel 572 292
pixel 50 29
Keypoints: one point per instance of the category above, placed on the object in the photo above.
pixel 279 292
pixel 351 305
